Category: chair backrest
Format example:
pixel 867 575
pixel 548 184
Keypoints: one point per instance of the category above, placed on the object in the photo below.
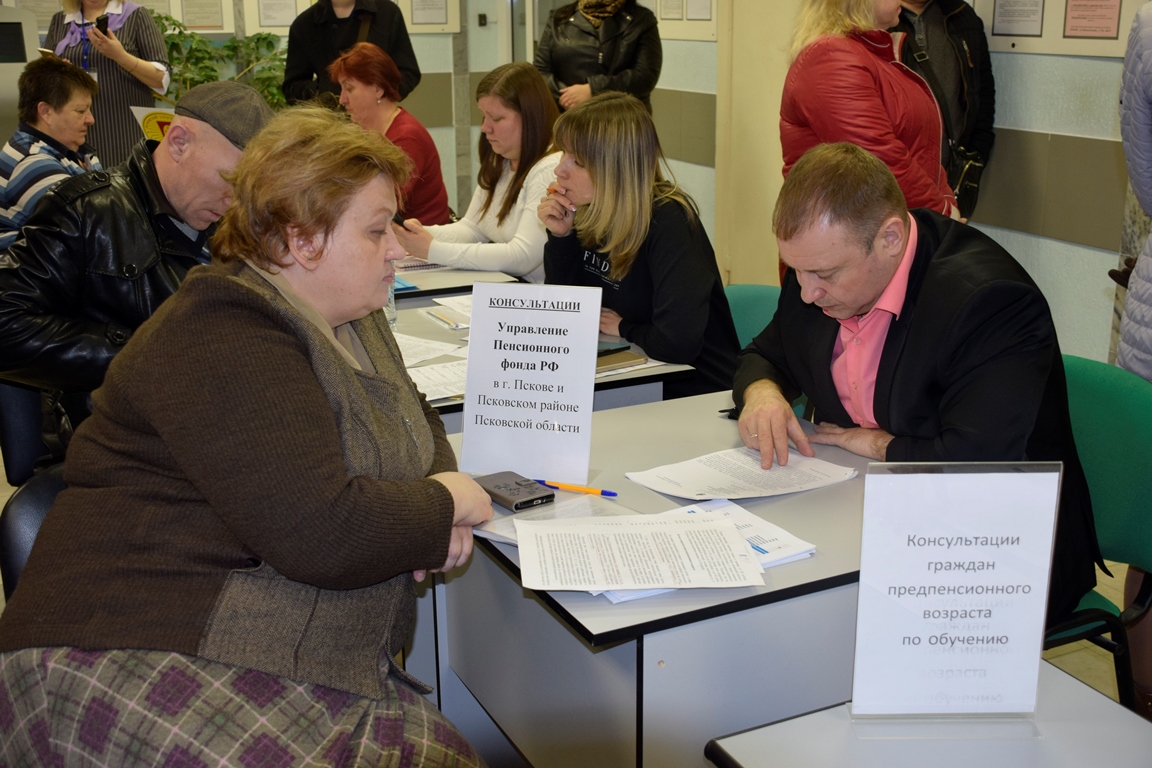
pixel 752 308
pixel 20 522
pixel 1112 421
pixel 20 427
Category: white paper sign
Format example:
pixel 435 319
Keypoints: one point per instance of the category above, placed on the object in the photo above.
pixel 953 588
pixel 528 398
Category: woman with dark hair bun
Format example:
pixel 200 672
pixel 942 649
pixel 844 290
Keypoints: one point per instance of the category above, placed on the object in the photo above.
pixel 500 231
pixel 370 93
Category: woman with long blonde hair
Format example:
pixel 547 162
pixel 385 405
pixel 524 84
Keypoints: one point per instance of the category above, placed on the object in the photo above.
pixel 617 223
pixel 847 83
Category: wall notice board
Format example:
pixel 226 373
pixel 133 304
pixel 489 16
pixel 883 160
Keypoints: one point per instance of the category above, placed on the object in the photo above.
pixel 421 17
pixel 1065 27
pixel 205 16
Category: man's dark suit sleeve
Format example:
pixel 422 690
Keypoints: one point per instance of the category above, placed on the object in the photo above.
pixel 43 342
pixel 763 359
pixel 991 369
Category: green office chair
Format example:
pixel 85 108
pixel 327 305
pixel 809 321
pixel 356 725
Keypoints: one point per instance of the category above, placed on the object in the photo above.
pixel 752 308
pixel 1112 421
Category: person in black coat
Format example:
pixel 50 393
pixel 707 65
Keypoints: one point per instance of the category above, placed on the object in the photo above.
pixel 593 46
pixel 917 339
pixel 327 29
pixel 944 42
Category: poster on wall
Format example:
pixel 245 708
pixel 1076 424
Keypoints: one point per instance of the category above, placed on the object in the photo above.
pixel 203 14
pixel 43 10
pixel 429 11
pixel 1093 19
pixel 1018 18
pixel 1060 27
pixel 277 13
pixel 699 10
pixel 672 9
pixel 157 6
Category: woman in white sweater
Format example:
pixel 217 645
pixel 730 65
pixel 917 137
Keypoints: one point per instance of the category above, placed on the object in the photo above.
pixel 501 232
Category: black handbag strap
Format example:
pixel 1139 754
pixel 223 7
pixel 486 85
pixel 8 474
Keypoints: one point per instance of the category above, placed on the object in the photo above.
pixel 921 57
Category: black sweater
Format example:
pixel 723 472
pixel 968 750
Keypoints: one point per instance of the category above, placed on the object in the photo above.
pixel 672 300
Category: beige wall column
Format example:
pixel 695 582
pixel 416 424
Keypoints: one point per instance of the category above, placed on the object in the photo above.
pixel 753 39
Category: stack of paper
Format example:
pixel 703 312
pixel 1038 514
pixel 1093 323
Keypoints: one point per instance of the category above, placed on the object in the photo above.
pixel 736 474
pixel 585 547
pixel 416 349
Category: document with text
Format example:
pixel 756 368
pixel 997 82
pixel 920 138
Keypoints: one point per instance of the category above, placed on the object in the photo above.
pixel 503 528
pixel 416 350
pixel 635 552
pixel 442 380
pixel 736 474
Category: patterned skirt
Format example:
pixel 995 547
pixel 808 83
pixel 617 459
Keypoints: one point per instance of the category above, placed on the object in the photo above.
pixel 68 707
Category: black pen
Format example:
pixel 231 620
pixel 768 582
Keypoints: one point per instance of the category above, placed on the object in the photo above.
pixel 398 220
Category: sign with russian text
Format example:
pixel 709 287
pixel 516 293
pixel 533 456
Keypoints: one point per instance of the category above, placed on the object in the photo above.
pixel 954 568
pixel 531 366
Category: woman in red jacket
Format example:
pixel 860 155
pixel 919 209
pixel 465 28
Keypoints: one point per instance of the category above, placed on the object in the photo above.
pixel 846 83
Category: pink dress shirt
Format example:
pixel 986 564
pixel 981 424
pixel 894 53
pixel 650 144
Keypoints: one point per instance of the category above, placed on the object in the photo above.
pixel 856 354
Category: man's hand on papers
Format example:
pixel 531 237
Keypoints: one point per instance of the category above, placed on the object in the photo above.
pixel 870 443
pixel 767 422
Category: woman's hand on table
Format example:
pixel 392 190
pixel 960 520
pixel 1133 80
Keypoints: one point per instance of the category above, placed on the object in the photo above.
pixel 415 239
pixel 610 322
pixel 459 550
pixel 470 506
pixel 556 211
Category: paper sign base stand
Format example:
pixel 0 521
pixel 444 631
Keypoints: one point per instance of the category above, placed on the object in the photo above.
pixel 943 728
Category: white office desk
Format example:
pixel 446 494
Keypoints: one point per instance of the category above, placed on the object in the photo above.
pixel 431 283
pixel 573 680
pixel 1075 727
pixel 625 388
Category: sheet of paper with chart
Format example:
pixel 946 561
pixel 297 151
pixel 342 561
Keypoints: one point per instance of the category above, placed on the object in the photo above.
pixel 736 474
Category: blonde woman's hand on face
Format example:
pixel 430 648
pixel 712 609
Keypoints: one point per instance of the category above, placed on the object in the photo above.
pixel 471 505
pixel 610 322
pixel 415 239
pixel 556 211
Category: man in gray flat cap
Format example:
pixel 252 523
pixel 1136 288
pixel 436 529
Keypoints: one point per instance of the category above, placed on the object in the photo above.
pixel 101 251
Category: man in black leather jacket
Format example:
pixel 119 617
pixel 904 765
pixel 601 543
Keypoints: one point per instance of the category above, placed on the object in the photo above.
pixel 946 45
pixel 584 51
pixel 101 251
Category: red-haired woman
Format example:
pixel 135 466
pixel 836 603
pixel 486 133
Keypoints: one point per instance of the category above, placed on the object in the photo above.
pixel 370 92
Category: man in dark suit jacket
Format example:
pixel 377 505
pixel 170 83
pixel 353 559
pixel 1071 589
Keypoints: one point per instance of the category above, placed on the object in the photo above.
pixel 915 338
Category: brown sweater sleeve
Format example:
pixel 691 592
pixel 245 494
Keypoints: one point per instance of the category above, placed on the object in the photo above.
pixel 230 392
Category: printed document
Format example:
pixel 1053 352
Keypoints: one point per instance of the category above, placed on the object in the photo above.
pixel 503 529
pixel 736 474
pixel 416 350
pixel 634 552
pixel 440 381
